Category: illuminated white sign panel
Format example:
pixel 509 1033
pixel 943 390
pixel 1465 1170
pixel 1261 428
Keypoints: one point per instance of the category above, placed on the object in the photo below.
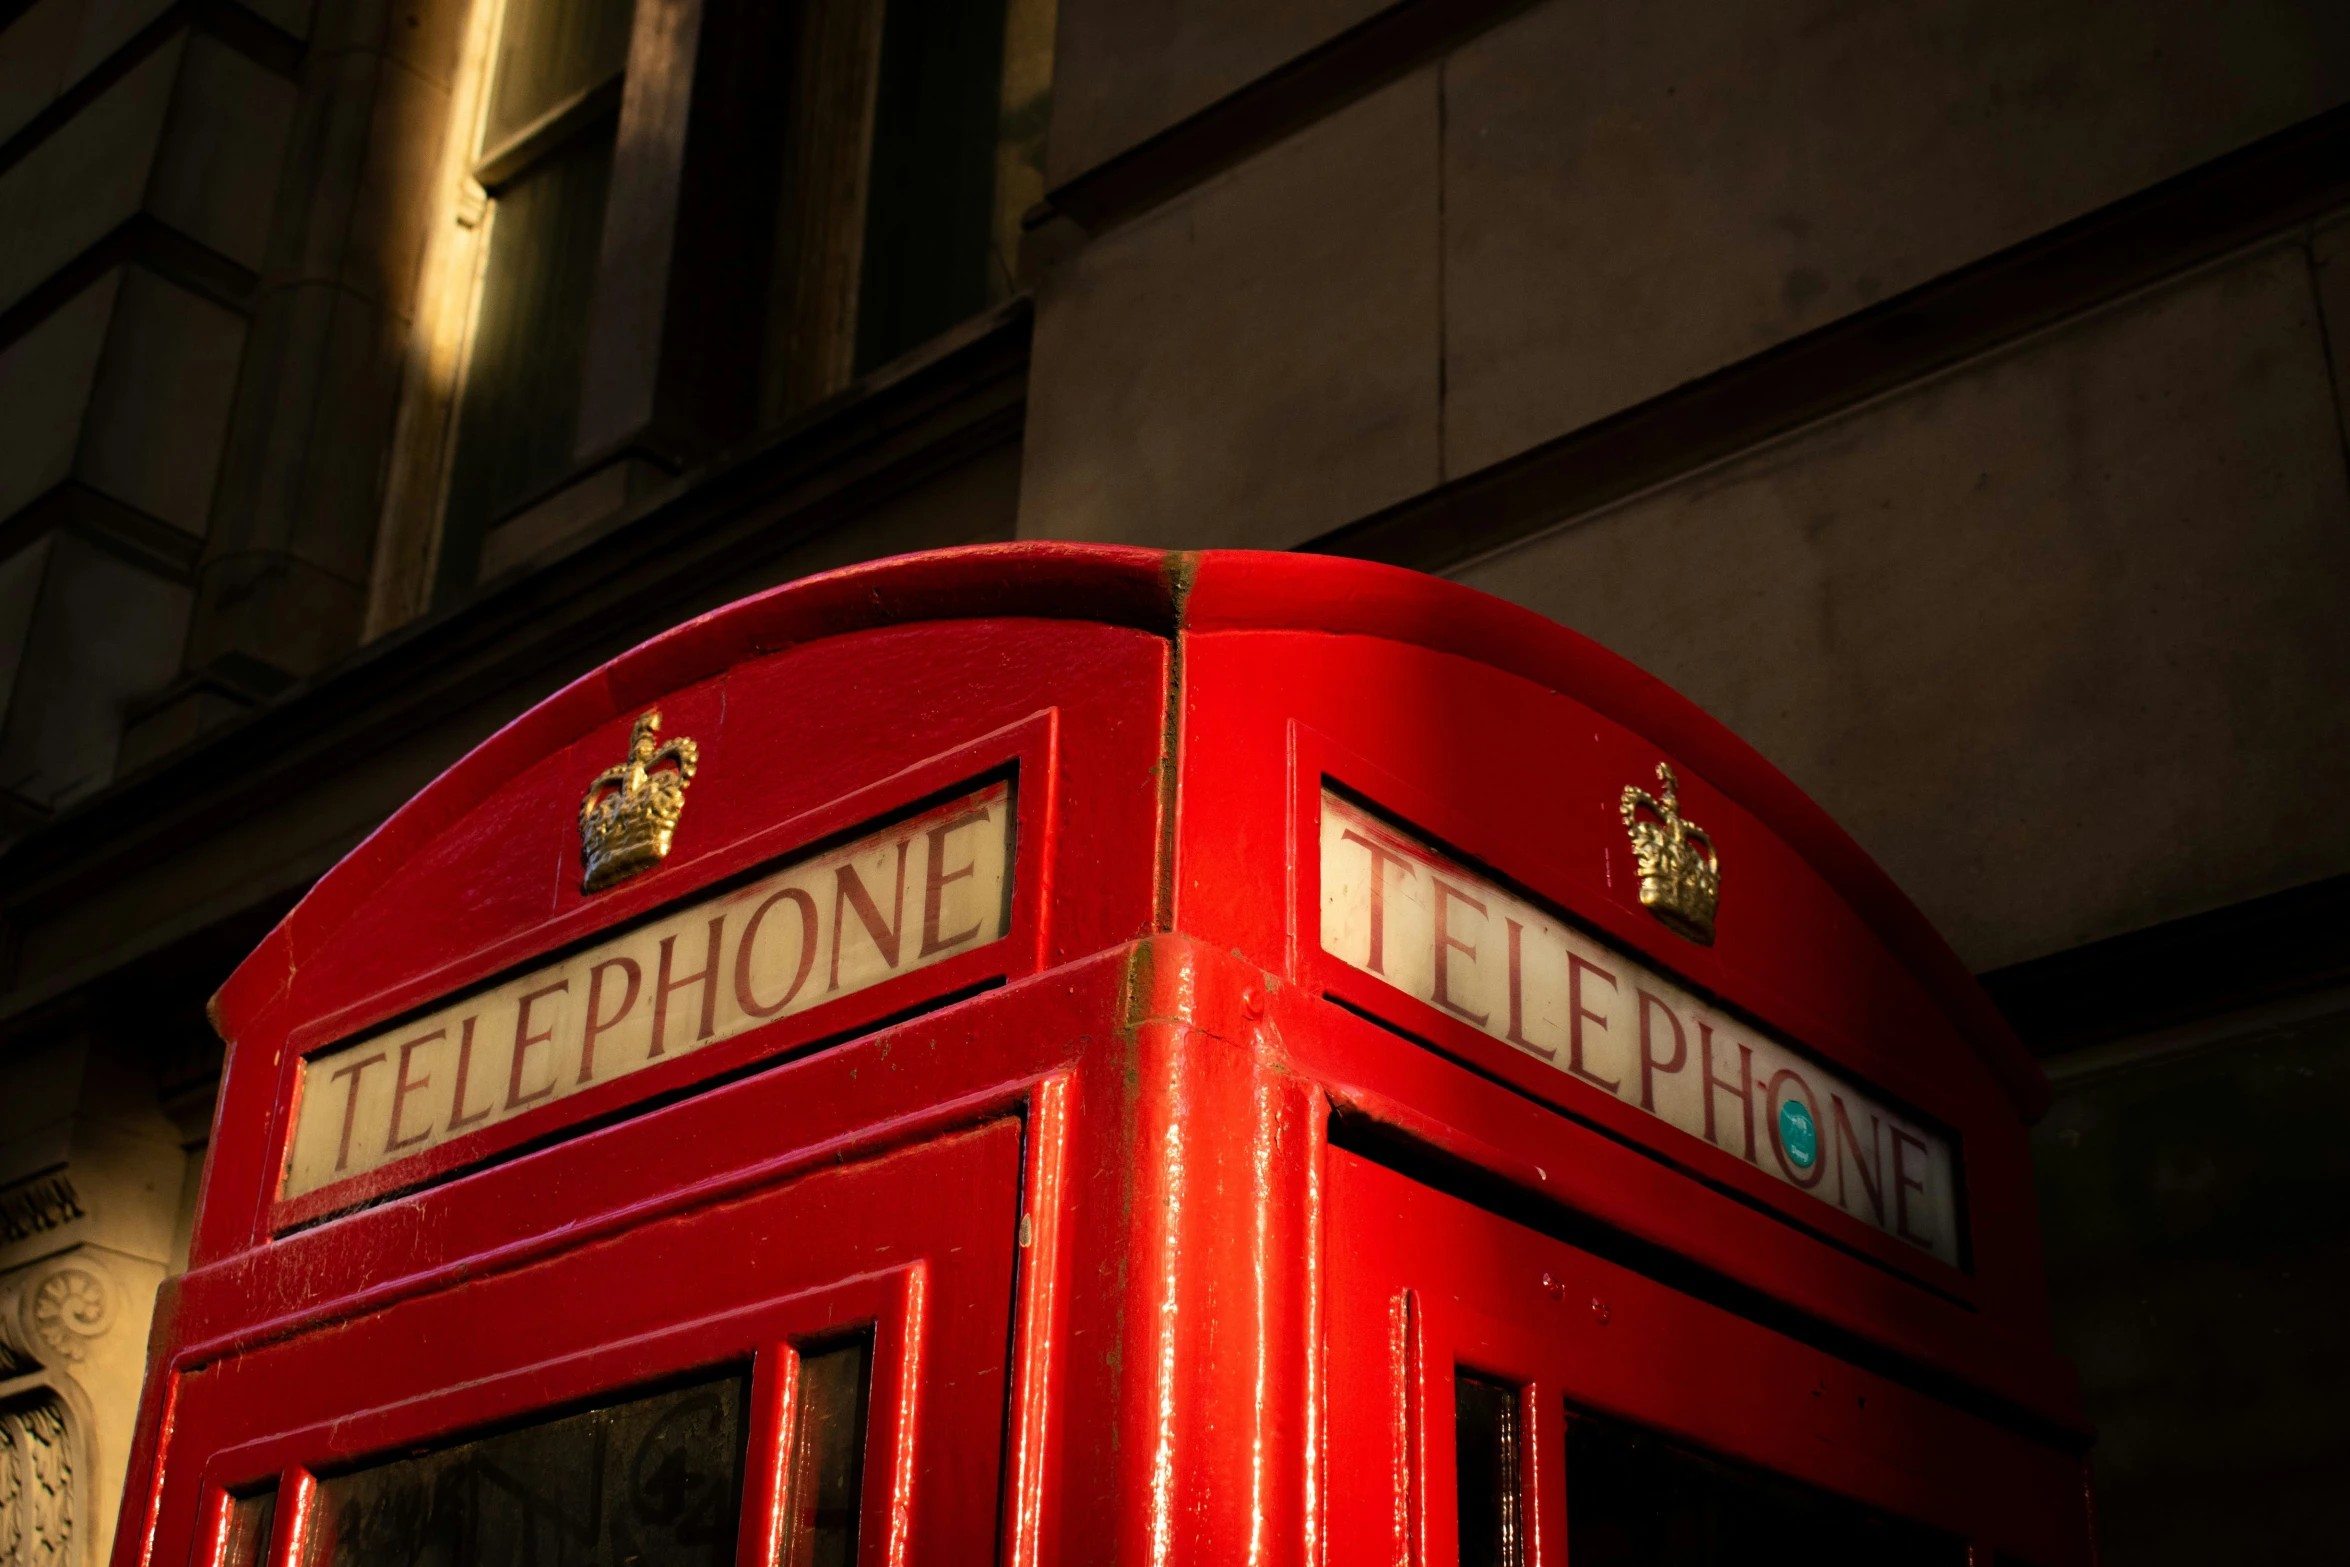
pixel 919 892
pixel 1393 907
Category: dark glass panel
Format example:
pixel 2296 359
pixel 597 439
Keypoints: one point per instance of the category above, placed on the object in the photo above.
pixel 828 1449
pixel 549 50
pixel 930 203
pixel 653 1482
pixel 1634 1500
pixel 250 1519
pixel 522 380
pixel 1485 1449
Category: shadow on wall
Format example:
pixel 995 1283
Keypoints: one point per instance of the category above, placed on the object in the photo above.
pixel 2199 1254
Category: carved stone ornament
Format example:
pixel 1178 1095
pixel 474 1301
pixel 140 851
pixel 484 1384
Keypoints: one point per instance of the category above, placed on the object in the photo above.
pixel 36 1483
pixel 67 1310
pixel 42 1203
pixel 1680 875
pixel 630 812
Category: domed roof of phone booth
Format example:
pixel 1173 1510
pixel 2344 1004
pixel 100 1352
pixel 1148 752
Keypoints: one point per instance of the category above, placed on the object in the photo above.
pixel 1167 593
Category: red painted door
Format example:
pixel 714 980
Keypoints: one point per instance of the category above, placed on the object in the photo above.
pixel 811 1373
pixel 1501 1396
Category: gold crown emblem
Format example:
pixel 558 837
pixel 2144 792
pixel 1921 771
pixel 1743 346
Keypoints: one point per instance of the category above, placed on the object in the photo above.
pixel 1678 884
pixel 631 810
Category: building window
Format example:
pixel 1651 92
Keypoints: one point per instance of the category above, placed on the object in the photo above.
pixel 545 164
pixel 631 282
pixel 915 143
pixel 928 221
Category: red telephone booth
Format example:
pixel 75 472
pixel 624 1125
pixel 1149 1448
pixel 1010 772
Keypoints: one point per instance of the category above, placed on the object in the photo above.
pixel 1059 1055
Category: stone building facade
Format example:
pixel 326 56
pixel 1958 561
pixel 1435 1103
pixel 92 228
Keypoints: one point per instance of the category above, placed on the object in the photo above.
pixel 1947 396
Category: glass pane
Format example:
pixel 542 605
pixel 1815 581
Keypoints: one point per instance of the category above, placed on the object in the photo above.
pixel 655 1482
pixel 828 1450
pixel 1634 1500
pixel 549 50
pixel 1485 1450
pixel 930 204
pixel 521 400
pixel 250 1518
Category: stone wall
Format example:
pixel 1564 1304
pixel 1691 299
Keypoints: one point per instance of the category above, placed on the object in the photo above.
pixel 1945 396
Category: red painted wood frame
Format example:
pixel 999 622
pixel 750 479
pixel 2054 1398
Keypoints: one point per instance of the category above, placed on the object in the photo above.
pixel 1522 780
pixel 1424 1287
pixel 479 874
pixel 504 1250
pixel 915 1248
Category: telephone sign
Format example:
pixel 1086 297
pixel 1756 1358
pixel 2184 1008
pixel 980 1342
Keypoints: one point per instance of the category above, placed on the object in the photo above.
pixel 811 931
pixel 1397 910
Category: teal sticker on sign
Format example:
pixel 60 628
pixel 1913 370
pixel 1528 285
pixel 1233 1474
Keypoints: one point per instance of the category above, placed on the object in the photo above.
pixel 1798 1135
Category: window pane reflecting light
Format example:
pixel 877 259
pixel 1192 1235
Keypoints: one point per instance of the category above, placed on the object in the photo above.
pixel 652 1482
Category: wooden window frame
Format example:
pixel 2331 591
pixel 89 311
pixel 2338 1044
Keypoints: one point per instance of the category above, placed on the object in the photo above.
pixel 690 251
